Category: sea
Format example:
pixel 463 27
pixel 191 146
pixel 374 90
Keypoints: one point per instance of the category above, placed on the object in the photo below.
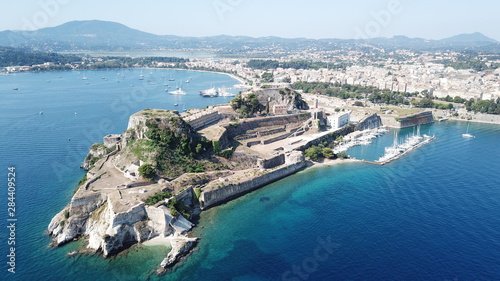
pixel 430 215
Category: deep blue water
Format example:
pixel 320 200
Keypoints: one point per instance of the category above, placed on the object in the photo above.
pixel 431 215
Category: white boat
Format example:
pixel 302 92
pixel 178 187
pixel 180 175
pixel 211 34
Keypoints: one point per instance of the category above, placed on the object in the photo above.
pixel 178 92
pixel 397 150
pixel 467 135
pixel 212 92
pixel 224 93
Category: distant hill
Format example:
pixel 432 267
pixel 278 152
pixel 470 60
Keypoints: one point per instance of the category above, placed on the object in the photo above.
pixel 93 30
pixel 95 35
pixel 78 35
pixel 475 41
pixel 470 38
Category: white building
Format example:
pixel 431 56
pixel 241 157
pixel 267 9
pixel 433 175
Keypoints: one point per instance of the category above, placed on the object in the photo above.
pixel 132 172
pixel 339 120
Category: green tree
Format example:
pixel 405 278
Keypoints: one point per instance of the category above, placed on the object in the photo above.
pixel 254 103
pixel 157 197
pixel 199 148
pixel 267 77
pixel 458 99
pixel 425 103
pixel 216 146
pixel 342 155
pixel 172 207
pixel 313 153
pixel 327 153
pixel 237 102
pixel 147 171
pixel 248 106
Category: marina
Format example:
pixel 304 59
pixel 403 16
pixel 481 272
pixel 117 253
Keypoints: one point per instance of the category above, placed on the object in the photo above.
pixel 397 150
pixel 359 138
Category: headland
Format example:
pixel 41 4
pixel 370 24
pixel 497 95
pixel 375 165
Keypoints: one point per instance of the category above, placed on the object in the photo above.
pixel 150 183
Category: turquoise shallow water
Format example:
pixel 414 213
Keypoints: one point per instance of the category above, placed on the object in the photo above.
pixel 432 215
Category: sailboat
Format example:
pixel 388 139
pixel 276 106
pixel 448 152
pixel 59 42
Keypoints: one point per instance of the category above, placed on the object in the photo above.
pixel 141 77
pixel 467 135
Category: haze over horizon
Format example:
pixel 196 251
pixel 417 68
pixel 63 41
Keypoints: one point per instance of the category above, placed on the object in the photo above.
pixel 258 18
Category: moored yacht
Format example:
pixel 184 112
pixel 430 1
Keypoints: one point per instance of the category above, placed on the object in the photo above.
pixel 178 92
pixel 224 93
pixel 212 92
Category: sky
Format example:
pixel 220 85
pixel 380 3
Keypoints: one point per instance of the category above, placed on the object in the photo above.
pixel 429 19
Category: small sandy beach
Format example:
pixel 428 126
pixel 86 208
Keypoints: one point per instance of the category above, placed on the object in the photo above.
pixel 159 241
pixel 167 241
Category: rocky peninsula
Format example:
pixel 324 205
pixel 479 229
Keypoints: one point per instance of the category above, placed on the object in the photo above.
pixel 152 181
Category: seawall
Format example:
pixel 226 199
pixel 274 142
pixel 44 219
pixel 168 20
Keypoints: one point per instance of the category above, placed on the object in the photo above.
pixel 417 119
pixel 370 122
pixel 211 198
pixel 469 116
